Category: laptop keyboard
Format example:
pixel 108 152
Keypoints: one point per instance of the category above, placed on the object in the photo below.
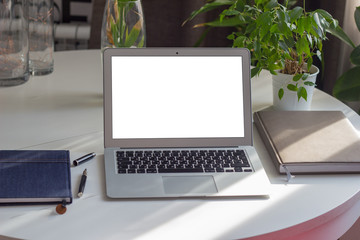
pixel 182 161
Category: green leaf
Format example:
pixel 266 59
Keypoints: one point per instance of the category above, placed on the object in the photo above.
pixel 132 37
pixel 250 28
pixel 115 34
pixel 305 76
pixel 291 3
pixel 264 19
pixel 319 55
pixel 231 12
pixel 240 5
pixel 208 7
pixel 355 56
pixel 141 43
pixel 202 37
pixel 257 2
pixel 325 21
pixel 263 22
pixel 284 29
pixel 302 93
pixel 281 93
pixel 239 41
pixel 334 23
pixel 310 40
pixel 308 83
pixel 319 22
pixel 292 87
pixel 257 48
pixel 283 46
pixel 255 71
pixel 357 17
pixel 309 64
pixel 228 12
pixel 296 13
pixel 324 14
pixel 297 77
pixel 226 22
pixel 281 15
pixel 275 29
pixel 302 46
pixel 347 87
pixel 231 36
pixel 271 4
pixel 290 42
pixel 339 33
pixel 308 23
pixel 271 69
pixel 300 28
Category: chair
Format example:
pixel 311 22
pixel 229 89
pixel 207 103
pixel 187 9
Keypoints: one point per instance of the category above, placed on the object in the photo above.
pixel 66 9
pixel 73 31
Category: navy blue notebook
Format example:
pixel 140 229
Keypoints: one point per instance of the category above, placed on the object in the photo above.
pixel 35 176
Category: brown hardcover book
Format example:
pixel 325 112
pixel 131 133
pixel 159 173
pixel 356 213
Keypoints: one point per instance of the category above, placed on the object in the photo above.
pixel 310 141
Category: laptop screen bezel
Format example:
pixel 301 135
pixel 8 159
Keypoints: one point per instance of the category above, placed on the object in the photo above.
pixel 110 142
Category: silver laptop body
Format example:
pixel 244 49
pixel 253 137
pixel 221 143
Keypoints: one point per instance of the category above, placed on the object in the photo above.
pixel 174 100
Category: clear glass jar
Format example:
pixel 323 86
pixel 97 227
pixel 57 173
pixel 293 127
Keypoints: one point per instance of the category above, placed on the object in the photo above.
pixel 123 25
pixel 14 42
pixel 41 36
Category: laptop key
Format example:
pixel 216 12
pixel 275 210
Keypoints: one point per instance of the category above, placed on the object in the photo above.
pixel 122 170
pixel 140 170
pixel 209 170
pixel 228 169
pixel 120 154
pixel 241 164
pixel 180 170
pixel 129 153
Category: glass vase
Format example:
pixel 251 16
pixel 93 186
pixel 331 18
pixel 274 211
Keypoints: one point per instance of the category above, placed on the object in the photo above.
pixel 14 42
pixel 123 25
pixel 41 36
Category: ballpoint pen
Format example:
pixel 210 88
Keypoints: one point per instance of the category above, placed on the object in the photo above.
pixel 82 183
pixel 84 158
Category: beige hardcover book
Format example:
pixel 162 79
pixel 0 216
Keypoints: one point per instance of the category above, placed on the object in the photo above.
pixel 310 141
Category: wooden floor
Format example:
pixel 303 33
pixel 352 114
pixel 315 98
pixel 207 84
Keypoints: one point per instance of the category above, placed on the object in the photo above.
pixel 353 233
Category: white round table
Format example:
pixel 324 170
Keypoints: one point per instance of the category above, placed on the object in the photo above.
pixel 64 111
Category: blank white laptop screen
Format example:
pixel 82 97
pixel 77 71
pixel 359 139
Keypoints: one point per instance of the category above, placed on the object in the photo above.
pixel 177 97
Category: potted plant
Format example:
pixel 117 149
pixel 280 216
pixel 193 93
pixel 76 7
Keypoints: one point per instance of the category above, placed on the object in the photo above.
pixel 347 86
pixel 282 39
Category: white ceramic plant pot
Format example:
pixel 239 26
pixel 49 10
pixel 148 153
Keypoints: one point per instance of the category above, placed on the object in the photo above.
pixel 290 101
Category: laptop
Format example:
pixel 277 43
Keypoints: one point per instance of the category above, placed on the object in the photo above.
pixel 178 123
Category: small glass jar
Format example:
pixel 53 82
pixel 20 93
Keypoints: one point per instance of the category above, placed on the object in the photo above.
pixel 14 42
pixel 41 36
pixel 123 25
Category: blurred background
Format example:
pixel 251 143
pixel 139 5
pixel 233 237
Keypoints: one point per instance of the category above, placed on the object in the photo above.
pixel 78 25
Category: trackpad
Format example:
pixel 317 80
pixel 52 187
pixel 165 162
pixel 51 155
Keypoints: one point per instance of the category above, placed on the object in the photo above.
pixel 189 184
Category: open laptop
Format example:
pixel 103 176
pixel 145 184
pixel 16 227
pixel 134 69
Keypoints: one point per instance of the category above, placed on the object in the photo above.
pixel 178 123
